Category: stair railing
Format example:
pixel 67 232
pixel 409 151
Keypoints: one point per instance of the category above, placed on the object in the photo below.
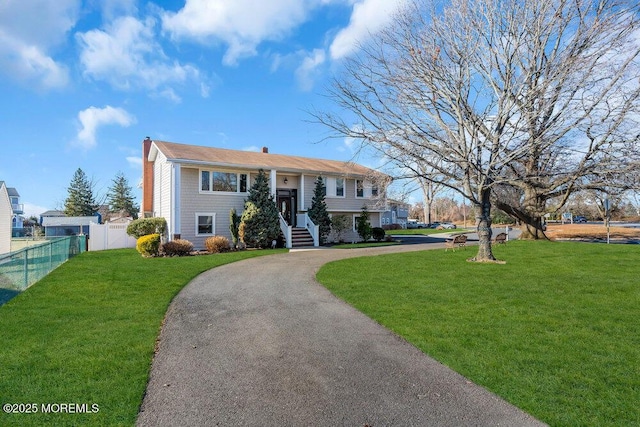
pixel 286 231
pixel 313 229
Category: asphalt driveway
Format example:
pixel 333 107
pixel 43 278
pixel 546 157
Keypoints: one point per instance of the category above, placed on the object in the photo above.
pixel 261 343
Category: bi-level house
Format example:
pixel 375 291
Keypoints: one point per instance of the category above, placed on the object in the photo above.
pixel 195 187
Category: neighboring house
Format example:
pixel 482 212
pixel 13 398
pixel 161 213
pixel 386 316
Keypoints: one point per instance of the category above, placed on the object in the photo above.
pixel 6 215
pixel 51 214
pixel 194 188
pixel 396 213
pixel 56 226
pixel 17 220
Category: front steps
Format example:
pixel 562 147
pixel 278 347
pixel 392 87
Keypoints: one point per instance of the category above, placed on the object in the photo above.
pixel 300 237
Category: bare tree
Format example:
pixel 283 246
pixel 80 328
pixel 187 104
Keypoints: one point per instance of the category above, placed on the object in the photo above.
pixel 525 98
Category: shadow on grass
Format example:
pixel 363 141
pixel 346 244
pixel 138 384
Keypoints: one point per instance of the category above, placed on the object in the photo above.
pixel 7 294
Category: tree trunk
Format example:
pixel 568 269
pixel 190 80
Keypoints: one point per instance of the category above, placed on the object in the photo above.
pixel 483 218
pixel 532 222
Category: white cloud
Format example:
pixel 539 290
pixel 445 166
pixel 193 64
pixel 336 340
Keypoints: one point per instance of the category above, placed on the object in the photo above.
pixel 33 210
pixel 368 17
pixel 241 24
pixel 134 162
pixel 127 56
pixel 254 148
pixel 92 118
pixel 307 70
pixel 29 31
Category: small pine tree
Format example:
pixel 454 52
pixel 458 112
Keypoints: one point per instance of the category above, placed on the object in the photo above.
pixel 260 224
pixel 362 225
pixel 234 226
pixel 120 197
pixel 318 211
pixel 80 201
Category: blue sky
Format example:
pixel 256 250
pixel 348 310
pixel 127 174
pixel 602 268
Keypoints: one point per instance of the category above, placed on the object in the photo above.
pixel 83 82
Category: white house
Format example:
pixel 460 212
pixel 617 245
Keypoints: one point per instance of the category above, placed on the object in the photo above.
pixel 6 216
pixel 194 188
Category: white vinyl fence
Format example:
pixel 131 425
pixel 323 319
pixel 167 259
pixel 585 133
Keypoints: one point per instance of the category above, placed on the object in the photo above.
pixel 109 236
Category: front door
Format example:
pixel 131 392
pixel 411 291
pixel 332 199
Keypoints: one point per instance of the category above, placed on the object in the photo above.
pixel 286 200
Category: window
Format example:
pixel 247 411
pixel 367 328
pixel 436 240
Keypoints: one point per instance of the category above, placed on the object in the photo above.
pixel 334 187
pixel 205 181
pixel 374 190
pixel 359 188
pixel 223 181
pixel 230 182
pixel 205 224
pixel 339 187
pixel 243 182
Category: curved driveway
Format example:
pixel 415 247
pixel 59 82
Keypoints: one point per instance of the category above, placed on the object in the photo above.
pixel 261 343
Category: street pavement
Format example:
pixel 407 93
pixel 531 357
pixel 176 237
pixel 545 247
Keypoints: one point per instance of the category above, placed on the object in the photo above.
pixel 261 343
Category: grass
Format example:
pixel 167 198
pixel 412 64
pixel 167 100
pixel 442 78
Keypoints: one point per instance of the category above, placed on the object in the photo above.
pixel 86 333
pixel 554 331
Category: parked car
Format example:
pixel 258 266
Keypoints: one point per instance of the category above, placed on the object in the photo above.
pixel 579 218
pixel 416 224
pixel 434 225
pixel 446 226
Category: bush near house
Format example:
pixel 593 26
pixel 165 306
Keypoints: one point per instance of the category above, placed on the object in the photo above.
pixel 149 245
pixel 217 244
pixel 144 226
pixel 362 225
pixel 178 247
pixel 377 233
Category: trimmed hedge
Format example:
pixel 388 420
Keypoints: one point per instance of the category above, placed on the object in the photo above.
pixel 144 226
pixel 149 245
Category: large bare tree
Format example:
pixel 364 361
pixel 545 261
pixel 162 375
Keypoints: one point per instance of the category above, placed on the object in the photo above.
pixel 511 102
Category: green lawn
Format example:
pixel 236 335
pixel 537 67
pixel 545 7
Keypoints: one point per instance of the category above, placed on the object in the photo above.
pixel 85 334
pixel 555 330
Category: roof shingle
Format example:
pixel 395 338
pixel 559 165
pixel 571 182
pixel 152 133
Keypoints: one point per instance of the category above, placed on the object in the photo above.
pixel 249 159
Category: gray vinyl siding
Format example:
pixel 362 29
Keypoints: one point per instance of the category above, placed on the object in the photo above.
pixel 192 202
pixel 351 235
pixel 349 203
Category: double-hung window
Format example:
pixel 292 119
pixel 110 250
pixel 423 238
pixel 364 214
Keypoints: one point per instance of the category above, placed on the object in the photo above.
pixel 205 224
pixel 334 187
pixel 359 188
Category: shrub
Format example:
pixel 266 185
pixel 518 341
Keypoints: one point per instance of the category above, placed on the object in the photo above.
pixel 217 244
pixel 149 245
pixel 340 224
pixel 144 226
pixel 178 247
pixel 377 233
pixel 362 225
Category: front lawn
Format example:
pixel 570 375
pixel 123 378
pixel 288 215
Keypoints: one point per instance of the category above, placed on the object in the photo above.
pixel 555 330
pixel 85 335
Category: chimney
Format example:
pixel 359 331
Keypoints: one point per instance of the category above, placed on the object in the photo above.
pixel 147 179
pixel 265 149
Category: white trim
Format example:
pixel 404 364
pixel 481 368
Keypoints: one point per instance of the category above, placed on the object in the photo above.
pixel 212 191
pixel 301 198
pixel 273 182
pixel 176 177
pixel 213 223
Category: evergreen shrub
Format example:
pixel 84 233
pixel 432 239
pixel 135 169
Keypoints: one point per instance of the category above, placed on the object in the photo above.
pixel 377 233
pixel 148 245
pixel 144 226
